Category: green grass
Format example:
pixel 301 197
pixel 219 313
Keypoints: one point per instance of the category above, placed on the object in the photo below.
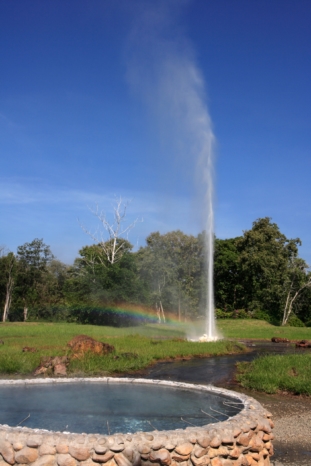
pixel 260 330
pixel 135 348
pixel 138 347
pixel 275 373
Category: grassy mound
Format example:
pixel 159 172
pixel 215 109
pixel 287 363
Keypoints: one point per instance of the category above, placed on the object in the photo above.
pixel 271 374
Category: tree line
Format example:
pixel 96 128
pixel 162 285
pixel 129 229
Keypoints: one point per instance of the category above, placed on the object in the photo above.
pixel 258 275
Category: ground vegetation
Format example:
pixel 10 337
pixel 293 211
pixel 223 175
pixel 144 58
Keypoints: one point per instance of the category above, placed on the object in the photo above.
pixel 286 373
pixel 134 347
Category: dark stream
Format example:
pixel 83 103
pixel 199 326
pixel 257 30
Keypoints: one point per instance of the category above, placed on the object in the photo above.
pixel 218 370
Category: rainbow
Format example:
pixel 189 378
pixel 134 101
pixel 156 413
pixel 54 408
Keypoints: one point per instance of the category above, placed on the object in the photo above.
pixel 127 314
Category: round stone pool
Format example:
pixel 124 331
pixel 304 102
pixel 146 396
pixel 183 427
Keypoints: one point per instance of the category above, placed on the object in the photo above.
pixel 83 422
pixel 116 407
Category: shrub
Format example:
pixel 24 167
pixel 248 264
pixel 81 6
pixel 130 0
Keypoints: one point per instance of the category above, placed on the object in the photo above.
pixel 223 314
pixel 241 314
pixel 294 321
pixel 261 315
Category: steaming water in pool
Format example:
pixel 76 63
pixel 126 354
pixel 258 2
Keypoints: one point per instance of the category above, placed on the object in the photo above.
pixel 111 408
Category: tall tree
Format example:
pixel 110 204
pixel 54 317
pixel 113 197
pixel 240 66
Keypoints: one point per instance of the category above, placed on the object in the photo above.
pixel 7 280
pixel 227 278
pixel 111 237
pixel 265 255
pixel 155 266
pixel 171 264
pixel 297 282
pixel 94 281
pixel 33 261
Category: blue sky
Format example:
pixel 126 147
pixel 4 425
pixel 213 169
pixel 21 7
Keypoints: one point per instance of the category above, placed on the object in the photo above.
pixel 98 99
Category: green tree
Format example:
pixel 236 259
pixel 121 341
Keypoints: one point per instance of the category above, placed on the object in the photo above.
pixel 227 279
pixel 94 279
pixel 51 302
pixel 265 254
pixel 297 282
pixel 7 281
pixel 32 272
pixel 303 306
pixel 156 268
pixel 171 265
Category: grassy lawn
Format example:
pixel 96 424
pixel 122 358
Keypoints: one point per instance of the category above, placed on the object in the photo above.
pixel 286 373
pixel 260 330
pixel 275 373
pixel 135 347
pixel 138 347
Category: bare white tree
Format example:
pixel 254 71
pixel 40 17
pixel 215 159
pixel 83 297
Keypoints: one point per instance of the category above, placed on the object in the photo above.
pixel 111 237
pixel 292 295
pixel 9 262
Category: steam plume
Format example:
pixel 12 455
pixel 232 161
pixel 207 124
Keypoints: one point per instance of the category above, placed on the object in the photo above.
pixel 162 69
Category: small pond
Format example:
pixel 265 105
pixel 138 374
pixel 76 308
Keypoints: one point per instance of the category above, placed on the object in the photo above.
pixel 111 408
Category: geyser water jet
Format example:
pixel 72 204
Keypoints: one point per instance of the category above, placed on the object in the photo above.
pixel 210 327
pixel 163 71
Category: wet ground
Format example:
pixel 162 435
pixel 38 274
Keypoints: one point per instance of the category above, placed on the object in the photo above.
pixel 291 414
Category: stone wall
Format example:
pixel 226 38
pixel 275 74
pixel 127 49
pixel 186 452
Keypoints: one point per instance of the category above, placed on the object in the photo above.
pixel 242 440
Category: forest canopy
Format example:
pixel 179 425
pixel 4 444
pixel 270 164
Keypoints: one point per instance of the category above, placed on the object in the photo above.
pixel 257 275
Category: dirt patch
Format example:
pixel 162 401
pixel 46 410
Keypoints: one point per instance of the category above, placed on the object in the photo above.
pixel 83 343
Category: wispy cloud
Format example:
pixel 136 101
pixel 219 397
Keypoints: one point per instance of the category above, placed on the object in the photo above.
pixel 36 192
pixel 19 193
